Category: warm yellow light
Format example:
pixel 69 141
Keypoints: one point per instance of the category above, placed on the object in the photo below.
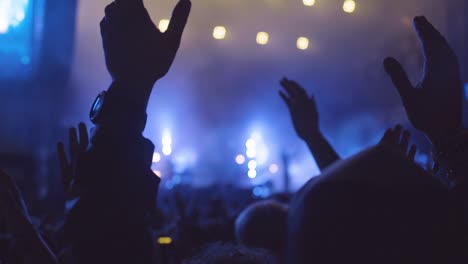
pixel 302 43
pixel 308 2
pixel 262 38
pixel 164 240
pixel 349 6
pixel 163 25
pixel 219 32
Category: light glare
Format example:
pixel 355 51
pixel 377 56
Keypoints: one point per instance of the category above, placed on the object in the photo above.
pixel 308 2
pixel 274 168
pixel 349 6
pixel 156 157
pixel 240 159
pixel 262 38
pixel 251 153
pixel 252 165
pixel 302 43
pixel 219 32
pixel 163 25
pixel 252 174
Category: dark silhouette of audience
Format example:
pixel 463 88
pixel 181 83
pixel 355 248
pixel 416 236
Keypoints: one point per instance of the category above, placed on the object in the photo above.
pixel 375 207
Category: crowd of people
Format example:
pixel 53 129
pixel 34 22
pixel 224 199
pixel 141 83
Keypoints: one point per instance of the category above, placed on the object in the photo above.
pixel 375 207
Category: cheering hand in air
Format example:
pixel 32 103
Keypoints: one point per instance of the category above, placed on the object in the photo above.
pixel 302 108
pixel 305 118
pixel 434 105
pixel 135 50
pixel 398 139
pixel 68 167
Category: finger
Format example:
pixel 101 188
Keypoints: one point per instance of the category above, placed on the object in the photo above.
pixel 429 37
pixel 301 92
pixel 63 162
pixel 435 167
pixel 399 78
pixel 285 99
pixel 178 21
pixel 412 152
pixel 84 138
pixel 313 103
pixel 405 137
pixel 294 94
pixel 396 135
pixel 73 140
pixel 387 135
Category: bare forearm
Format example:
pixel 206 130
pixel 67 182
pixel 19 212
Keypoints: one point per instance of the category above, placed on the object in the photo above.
pixel 321 149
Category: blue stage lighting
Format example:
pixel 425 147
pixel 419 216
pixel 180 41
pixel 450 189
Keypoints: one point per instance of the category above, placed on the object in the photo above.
pixel 16 37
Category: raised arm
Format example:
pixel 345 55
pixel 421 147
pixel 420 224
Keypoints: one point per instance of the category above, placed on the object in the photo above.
pixel 305 119
pixel 434 105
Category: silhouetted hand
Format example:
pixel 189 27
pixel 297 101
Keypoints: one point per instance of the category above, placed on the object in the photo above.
pixel 68 167
pixel 398 139
pixel 434 105
pixel 302 108
pixel 134 47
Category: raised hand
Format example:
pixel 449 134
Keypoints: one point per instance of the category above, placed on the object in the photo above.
pixel 305 119
pixel 135 50
pixel 398 139
pixel 434 105
pixel 68 167
pixel 302 108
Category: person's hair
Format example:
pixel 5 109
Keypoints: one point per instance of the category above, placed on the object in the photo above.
pixel 263 225
pixel 227 253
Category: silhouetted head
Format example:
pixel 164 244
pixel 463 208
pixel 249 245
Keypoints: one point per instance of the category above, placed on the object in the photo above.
pixel 376 207
pixel 263 225
pixel 220 253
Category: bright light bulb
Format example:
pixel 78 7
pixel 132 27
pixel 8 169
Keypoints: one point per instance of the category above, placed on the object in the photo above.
pixel 240 159
pixel 252 165
pixel 302 43
pixel 252 174
pixel 262 38
pixel 163 25
pixel 349 6
pixel 166 138
pixel 219 32
pixel 308 2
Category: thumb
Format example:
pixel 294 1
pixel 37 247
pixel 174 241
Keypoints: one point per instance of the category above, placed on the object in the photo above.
pixel 399 77
pixel 179 19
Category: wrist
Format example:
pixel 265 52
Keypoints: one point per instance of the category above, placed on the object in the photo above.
pixel 313 136
pixel 136 92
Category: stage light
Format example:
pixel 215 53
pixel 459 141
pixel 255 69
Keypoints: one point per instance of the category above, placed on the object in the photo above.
pixel 240 159
pixel 252 165
pixel 219 32
pixel 262 38
pixel 274 168
pixel 302 43
pixel 308 2
pixel 167 150
pixel 156 157
pixel 250 143
pixel 252 174
pixel 251 153
pixel 12 13
pixel 163 25
pixel 349 6
pixel 166 139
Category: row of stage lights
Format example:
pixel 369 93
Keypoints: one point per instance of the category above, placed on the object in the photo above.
pixel 302 43
pixel 250 158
